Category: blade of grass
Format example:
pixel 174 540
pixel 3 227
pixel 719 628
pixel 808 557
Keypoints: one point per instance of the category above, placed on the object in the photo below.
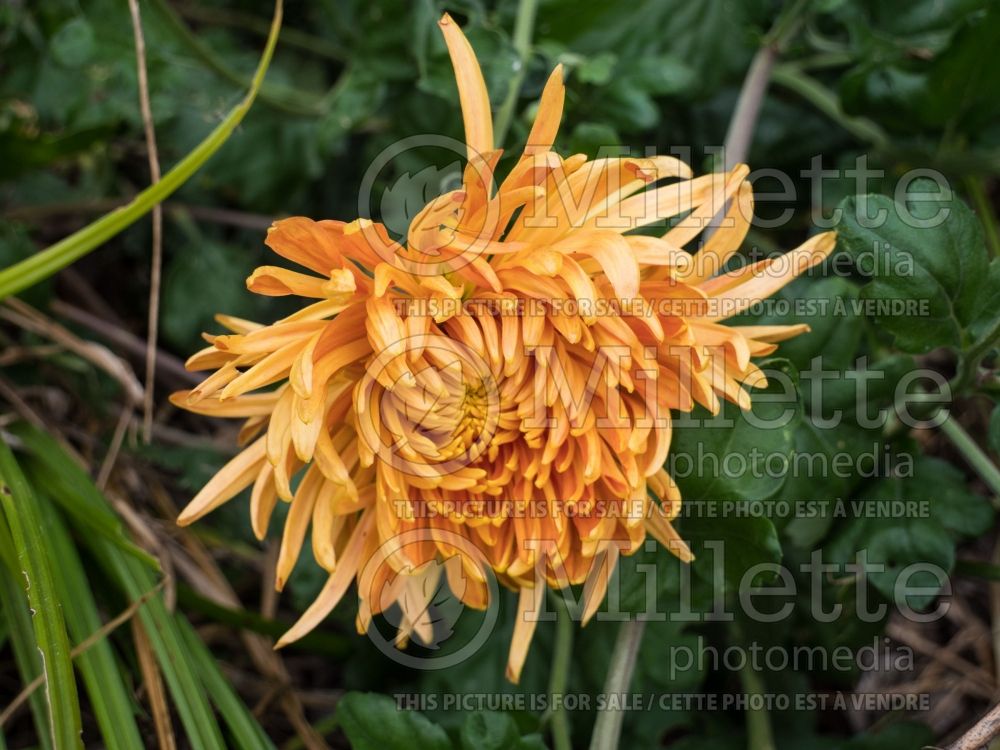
pixel 21 510
pixel 134 578
pixel 186 691
pixel 14 608
pixel 47 262
pixel 59 487
pixel 247 732
pixel 82 647
pixel 109 698
pixel 58 479
pixel 191 677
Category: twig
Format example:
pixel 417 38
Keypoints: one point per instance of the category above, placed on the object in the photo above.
pixel 976 675
pixel 743 122
pixel 83 646
pixel 980 735
pixel 153 681
pixel 157 257
pixel 22 314
pixel 167 365
pixel 116 445
pixel 10 393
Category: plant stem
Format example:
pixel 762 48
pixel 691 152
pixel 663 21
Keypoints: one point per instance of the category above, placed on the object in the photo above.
pixel 744 118
pixel 826 102
pixel 524 27
pixel 559 677
pixel 972 453
pixel 608 726
pixel 759 734
pixel 974 187
pixel 969 360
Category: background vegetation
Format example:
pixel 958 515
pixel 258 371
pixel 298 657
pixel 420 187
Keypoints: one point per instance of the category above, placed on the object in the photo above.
pixel 150 635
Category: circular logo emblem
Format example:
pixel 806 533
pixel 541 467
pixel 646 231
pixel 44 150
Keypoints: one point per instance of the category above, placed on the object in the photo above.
pixel 421 189
pixel 427 603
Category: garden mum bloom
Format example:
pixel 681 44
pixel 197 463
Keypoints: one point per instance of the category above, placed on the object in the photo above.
pixel 496 387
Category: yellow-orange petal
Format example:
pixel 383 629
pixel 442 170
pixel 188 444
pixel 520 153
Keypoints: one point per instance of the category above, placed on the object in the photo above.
pixel 529 606
pixel 472 94
pixel 550 111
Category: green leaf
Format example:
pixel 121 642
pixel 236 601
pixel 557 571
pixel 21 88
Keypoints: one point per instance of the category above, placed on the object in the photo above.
pixel 62 480
pixel 20 508
pixel 247 732
pixel 136 579
pixel 736 455
pixel 821 474
pixel 175 663
pixel 878 382
pixel 109 697
pixel 961 91
pixel 741 541
pixel 372 721
pixel 200 281
pixel 489 730
pixel 941 265
pixel 73 44
pixel 699 34
pixel 15 612
pixel 826 306
pixel 897 547
pixel 911 519
pixel 593 138
pixel 597 70
pixel 984 326
pixel 47 262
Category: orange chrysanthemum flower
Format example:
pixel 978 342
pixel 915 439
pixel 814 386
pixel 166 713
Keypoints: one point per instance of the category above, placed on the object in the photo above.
pixel 503 378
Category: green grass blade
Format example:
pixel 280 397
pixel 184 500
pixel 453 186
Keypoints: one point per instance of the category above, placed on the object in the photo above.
pixel 47 262
pixel 134 579
pixel 190 673
pixel 21 510
pixel 15 610
pixel 108 695
pixel 247 732
pixel 186 691
pixel 60 488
